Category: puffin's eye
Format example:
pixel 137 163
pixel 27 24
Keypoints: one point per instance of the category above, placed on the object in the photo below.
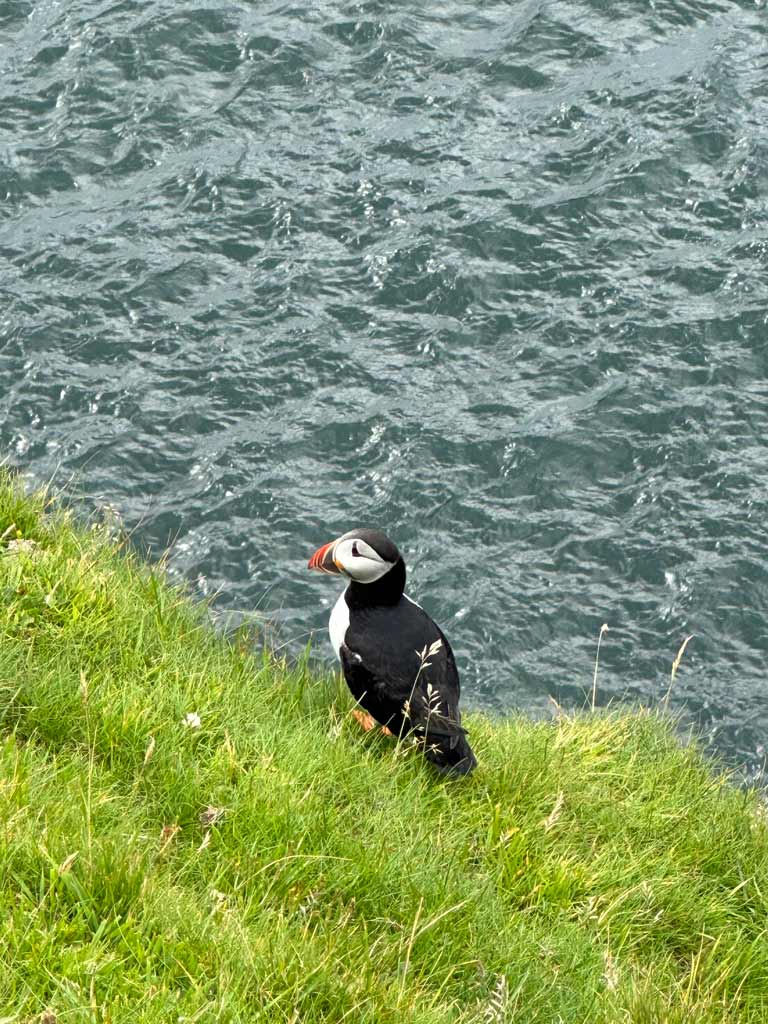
pixel 355 552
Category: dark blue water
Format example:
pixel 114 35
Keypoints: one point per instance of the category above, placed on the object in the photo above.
pixel 491 276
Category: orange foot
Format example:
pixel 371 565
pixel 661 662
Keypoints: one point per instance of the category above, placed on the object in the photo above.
pixel 368 722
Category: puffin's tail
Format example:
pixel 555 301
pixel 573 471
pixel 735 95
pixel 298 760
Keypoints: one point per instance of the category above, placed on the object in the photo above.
pixel 452 756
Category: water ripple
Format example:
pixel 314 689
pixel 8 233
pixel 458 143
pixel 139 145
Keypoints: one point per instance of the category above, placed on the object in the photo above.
pixel 493 278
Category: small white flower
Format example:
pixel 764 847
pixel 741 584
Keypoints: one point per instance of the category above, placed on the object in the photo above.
pixel 22 545
pixel 191 720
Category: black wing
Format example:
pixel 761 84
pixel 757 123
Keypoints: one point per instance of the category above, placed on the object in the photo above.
pixel 422 707
pixel 401 683
pixel 443 738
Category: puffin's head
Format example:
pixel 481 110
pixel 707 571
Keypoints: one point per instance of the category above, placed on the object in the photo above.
pixel 362 555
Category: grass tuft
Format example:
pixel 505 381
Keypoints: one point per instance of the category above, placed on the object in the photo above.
pixel 194 829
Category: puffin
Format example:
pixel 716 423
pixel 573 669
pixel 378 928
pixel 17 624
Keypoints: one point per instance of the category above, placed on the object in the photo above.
pixel 396 661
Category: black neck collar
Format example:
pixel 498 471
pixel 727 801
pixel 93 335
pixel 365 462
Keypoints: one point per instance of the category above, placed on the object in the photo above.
pixel 388 589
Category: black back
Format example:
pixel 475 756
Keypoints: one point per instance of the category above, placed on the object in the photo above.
pixel 381 658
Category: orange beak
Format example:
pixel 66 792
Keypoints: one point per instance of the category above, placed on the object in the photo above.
pixel 322 560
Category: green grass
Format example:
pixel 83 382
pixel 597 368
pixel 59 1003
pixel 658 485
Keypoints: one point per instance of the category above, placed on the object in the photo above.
pixel 275 864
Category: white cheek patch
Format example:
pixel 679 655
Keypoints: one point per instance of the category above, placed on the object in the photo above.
pixel 365 571
pixel 366 566
pixel 365 550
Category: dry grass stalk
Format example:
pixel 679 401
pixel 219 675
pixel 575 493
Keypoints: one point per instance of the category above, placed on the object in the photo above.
pixel 675 667
pixel 603 629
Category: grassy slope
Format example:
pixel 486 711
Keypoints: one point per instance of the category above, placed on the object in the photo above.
pixel 592 869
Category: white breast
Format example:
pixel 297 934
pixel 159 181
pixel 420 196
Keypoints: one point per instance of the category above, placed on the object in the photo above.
pixel 338 624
